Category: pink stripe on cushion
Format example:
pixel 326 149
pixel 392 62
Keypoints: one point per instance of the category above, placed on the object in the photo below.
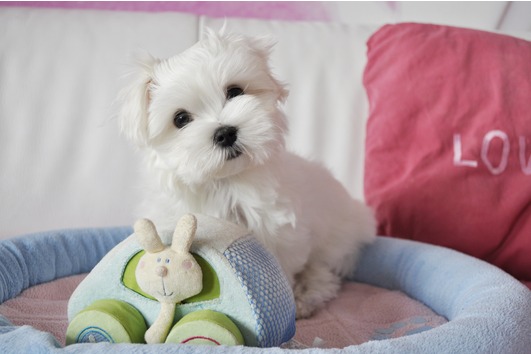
pixel 303 10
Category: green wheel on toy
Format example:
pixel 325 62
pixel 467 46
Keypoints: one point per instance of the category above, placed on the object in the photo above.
pixel 107 320
pixel 205 327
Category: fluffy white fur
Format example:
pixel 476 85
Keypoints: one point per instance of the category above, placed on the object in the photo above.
pixel 294 207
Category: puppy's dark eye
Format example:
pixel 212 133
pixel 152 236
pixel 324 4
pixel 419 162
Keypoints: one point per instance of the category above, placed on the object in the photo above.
pixel 234 91
pixel 181 118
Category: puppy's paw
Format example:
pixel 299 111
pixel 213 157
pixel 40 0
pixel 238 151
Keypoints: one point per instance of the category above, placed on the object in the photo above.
pixel 303 309
pixel 303 303
pixel 313 287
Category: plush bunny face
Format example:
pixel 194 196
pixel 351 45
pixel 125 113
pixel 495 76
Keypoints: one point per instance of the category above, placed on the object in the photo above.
pixel 169 276
pixel 168 273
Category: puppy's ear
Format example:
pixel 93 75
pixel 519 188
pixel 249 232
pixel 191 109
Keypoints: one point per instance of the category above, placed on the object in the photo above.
pixel 282 90
pixel 264 46
pixel 134 100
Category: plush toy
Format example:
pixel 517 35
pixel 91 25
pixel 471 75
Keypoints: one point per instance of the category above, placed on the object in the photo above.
pixel 208 281
pixel 168 273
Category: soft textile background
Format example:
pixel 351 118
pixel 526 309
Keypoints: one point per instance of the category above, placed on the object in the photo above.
pixel 62 163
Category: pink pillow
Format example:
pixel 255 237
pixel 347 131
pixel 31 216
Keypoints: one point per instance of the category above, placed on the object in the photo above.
pixel 449 140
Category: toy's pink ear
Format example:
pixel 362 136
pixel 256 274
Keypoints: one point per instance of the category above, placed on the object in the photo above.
pixel 133 115
pixel 147 236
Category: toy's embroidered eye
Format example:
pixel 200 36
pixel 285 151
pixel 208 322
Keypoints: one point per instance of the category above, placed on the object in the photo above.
pixel 234 91
pixel 181 118
pixel 158 260
pixel 167 261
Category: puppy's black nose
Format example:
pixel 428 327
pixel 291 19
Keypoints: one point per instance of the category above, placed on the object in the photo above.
pixel 225 136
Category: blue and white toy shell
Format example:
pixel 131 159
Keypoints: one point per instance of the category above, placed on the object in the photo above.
pixel 251 288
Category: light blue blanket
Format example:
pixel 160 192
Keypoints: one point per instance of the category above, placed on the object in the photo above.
pixel 488 310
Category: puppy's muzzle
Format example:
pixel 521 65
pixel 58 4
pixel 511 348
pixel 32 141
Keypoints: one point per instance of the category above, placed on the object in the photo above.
pixel 226 137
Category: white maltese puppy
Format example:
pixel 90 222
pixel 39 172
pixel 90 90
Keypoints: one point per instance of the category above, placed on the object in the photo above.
pixel 210 123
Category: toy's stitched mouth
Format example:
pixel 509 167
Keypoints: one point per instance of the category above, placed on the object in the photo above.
pixel 163 293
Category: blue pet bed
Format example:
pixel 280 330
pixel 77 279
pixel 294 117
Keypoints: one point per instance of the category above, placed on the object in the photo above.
pixel 488 311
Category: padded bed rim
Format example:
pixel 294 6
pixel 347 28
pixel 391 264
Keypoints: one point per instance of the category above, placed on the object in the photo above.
pixel 488 310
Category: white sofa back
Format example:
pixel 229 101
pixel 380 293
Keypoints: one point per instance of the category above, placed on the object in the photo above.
pixel 62 161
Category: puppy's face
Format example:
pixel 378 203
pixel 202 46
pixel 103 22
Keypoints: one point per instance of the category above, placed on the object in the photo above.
pixel 208 113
